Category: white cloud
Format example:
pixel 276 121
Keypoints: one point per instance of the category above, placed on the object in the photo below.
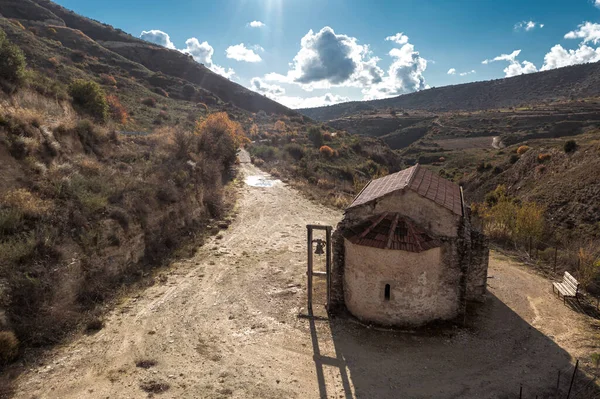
pixel 256 24
pixel 259 86
pixel 560 57
pixel 327 59
pixel 515 67
pixel 277 93
pixel 452 71
pixel 398 38
pixel 528 25
pixel 405 75
pixel 202 53
pixel 158 37
pixel 597 3
pixel 588 31
pixel 239 52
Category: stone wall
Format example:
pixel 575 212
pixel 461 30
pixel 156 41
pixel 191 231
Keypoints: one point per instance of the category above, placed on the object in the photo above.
pixel 423 286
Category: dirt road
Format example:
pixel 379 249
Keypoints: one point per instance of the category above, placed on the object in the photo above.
pixel 225 324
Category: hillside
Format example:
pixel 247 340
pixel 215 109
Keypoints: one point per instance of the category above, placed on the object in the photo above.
pixel 558 84
pixel 157 67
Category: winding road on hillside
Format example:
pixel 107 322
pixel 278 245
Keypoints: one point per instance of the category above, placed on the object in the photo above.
pixel 225 324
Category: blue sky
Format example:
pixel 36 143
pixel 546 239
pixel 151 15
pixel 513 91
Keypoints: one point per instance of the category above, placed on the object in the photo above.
pixel 318 52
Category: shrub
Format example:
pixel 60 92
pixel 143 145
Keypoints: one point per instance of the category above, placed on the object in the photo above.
pixel 327 151
pixel 78 56
pixel 327 136
pixel 12 62
pixel 149 102
pixel 570 146
pixel 108 80
pixel 315 135
pixel 117 110
pixel 220 137
pixel 543 157
pixel 513 158
pixel 188 92
pixel 296 151
pixel 280 126
pixel 160 91
pixel 90 97
pixel 522 149
pixel 264 152
pixel 9 347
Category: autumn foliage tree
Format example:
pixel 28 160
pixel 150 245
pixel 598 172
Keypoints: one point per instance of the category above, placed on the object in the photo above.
pixel 220 136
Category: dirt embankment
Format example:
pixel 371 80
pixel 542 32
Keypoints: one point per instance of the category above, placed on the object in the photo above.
pixel 225 323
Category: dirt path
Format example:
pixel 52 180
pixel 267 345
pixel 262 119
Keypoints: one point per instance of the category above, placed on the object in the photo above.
pixel 225 324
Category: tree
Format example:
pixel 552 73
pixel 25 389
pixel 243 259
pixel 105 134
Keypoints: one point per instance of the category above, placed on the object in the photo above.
pixel 529 223
pixel 12 62
pixel 220 137
pixel 315 135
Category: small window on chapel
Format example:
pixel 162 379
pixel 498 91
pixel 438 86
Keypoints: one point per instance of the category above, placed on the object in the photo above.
pixel 387 292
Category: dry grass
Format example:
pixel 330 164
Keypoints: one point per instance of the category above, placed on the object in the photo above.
pixel 26 202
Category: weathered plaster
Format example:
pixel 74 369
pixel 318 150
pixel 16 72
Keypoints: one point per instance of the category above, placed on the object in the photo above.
pixel 423 288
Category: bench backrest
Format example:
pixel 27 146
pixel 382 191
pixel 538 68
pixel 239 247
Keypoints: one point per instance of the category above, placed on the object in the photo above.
pixel 570 281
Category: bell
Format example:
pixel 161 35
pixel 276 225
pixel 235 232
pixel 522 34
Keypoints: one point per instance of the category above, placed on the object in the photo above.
pixel 319 250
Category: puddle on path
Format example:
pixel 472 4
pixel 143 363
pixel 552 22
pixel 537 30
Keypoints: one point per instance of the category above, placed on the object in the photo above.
pixel 261 181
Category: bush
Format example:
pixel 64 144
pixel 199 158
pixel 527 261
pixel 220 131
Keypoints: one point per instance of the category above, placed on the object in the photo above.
pixel 12 62
pixel 117 110
pixel 90 97
pixel 513 158
pixel 9 347
pixel 264 152
pixel 296 151
pixel 327 151
pixel 188 92
pixel 543 157
pixel 522 149
pixel 327 136
pixel 570 146
pixel 220 137
pixel 149 102
pixel 315 135
pixel 108 80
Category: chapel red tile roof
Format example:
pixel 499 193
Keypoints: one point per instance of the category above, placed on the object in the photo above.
pixel 421 180
pixel 391 231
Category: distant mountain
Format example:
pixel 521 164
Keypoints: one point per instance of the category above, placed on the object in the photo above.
pixel 107 43
pixel 576 81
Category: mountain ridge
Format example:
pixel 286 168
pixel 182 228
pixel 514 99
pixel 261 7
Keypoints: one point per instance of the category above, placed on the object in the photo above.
pixel 562 83
pixel 155 58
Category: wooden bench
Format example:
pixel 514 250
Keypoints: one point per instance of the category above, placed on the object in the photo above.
pixel 568 288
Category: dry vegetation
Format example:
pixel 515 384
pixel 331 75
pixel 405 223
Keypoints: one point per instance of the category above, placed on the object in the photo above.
pixel 85 210
pixel 332 173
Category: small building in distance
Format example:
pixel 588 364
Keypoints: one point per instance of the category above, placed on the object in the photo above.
pixel 406 252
